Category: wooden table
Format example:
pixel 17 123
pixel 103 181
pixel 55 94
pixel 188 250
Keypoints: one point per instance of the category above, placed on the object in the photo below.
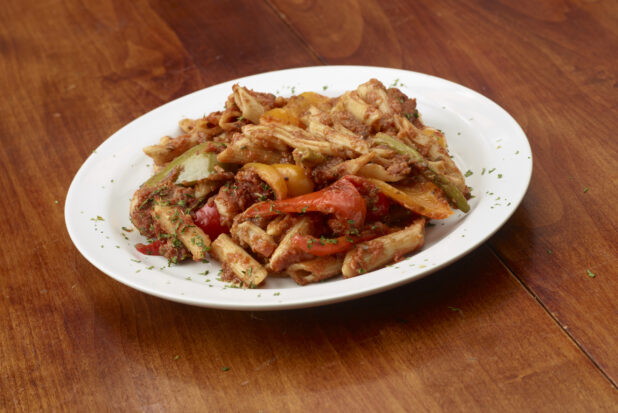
pixel 526 322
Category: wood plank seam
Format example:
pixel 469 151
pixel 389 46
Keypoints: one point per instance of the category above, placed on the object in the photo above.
pixel 295 32
pixel 553 317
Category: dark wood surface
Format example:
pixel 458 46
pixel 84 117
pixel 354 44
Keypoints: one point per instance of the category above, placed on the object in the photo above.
pixel 516 325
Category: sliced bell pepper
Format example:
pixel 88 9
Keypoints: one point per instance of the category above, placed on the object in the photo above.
pixel 295 178
pixel 421 197
pixel 328 246
pixel 149 249
pixel 270 175
pixel 341 199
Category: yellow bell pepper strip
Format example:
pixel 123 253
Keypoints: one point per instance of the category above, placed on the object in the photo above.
pixel 341 199
pixel 269 175
pixel 297 181
pixel 420 197
pixel 451 191
pixel 280 115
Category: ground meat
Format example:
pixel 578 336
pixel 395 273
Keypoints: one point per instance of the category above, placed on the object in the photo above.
pixel 346 119
pixel 234 197
pixel 174 250
pixel 326 172
pixel 226 272
pixel 291 256
pixel 399 165
pixel 166 192
pixel 405 106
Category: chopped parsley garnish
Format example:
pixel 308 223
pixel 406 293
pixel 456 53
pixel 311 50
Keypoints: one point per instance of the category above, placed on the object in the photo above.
pixel 591 274
pixel 226 368
pixel 468 173
pixel 585 190
pixel 491 170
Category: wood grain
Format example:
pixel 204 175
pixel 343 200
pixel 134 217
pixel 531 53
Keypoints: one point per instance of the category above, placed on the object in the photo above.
pixel 552 65
pixel 459 340
pixel 470 337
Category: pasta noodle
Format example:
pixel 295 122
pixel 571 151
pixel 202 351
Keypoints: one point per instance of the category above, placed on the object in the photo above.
pixel 308 187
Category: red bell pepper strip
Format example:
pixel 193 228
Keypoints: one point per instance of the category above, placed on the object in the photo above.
pixel 341 199
pixel 149 249
pixel 209 220
pixel 328 246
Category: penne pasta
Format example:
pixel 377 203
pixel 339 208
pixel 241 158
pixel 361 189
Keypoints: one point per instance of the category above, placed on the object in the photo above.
pixel 286 253
pixel 176 223
pixel 245 150
pixel 249 106
pixel 243 266
pixel 254 237
pixel 373 254
pixel 318 269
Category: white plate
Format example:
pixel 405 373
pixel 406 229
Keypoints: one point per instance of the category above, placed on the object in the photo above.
pixel 482 137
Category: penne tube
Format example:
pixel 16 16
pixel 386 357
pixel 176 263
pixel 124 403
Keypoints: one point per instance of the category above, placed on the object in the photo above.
pixel 369 255
pixel 187 125
pixel 374 93
pixel 315 270
pixel 169 148
pixel 343 140
pixel 352 166
pixel 286 253
pixel 292 136
pixel 243 265
pixel 255 238
pixel 376 171
pixel 362 111
pixel 228 119
pixel 278 226
pixel 249 106
pixel 180 225
pixel 245 150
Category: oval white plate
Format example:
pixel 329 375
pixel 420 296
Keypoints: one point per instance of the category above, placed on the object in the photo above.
pixel 483 139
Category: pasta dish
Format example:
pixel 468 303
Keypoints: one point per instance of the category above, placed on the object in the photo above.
pixel 307 186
